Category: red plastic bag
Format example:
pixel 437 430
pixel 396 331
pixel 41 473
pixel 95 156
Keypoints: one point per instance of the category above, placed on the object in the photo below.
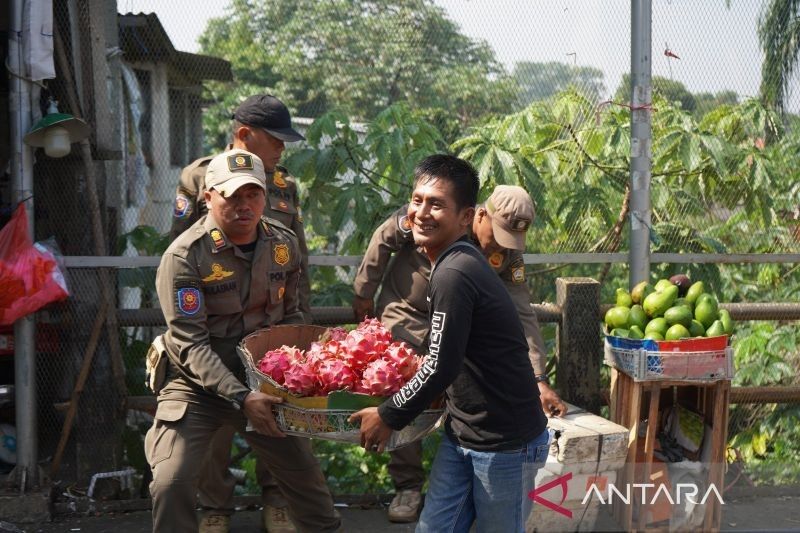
pixel 29 274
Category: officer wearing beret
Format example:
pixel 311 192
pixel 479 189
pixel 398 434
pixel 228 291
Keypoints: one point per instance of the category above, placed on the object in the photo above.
pixel 261 125
pixel 231 273
pixel 498 229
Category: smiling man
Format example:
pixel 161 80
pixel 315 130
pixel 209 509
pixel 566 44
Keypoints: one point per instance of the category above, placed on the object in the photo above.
pixel 400 268
pixel 496 435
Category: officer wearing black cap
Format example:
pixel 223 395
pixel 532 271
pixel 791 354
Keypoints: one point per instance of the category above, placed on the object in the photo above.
pixel 261 125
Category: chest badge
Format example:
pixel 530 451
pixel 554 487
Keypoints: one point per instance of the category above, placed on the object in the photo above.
pixel 278 179
pixel 217 273
pixel 216 236
pixel 496 259
pixel 280 253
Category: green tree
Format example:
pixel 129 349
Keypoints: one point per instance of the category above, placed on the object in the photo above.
pixel 538 81
pixel 671 90
pixel 359 57
pixel 707 101
pixel 779 36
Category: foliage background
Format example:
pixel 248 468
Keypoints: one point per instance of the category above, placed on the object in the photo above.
pixel 387 82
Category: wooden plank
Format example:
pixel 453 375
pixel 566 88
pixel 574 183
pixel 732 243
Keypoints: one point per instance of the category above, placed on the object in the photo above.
pixel 649 446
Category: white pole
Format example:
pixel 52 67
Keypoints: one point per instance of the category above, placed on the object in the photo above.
pixel 641 139
pixel 26 472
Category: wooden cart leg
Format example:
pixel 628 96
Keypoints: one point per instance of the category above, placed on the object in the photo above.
pixel 649 446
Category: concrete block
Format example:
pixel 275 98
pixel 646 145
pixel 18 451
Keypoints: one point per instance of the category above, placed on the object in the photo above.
pixel 28 508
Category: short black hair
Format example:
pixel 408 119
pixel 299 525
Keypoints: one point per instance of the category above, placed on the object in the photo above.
pixel 457 171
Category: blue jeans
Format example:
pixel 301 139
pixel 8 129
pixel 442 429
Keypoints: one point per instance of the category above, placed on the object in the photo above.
pixel 487 488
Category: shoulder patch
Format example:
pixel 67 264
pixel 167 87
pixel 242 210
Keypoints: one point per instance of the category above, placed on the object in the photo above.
pixel 518 274
pixel 404 224
pixel 182 207
pixel 188 300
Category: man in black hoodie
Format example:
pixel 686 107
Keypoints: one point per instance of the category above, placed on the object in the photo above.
pixel 496 435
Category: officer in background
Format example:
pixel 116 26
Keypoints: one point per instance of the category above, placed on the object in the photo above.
pixel 231 273
pixel 261 125
pixel 498 229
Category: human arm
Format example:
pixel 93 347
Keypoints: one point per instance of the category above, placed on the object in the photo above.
pixel 452 302
pixel 185 208
pixel 388 238
pixel 514 280
pixel 179 287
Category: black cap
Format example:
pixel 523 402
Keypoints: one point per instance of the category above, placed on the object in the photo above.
pixel 268 113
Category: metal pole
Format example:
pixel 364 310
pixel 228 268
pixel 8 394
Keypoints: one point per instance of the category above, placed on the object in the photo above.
pixel 26 472
pixel 641 136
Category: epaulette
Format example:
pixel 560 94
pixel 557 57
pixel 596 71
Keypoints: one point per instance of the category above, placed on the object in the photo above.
pixel 267 223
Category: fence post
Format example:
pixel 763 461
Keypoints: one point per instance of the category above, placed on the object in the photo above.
pixel 579 350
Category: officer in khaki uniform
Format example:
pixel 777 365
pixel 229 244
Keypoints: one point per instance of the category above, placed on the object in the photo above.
pixel 499 229
pixel 230 273
pixel 261 125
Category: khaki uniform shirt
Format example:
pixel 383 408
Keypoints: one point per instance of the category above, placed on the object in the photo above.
pixel 213 294
pixel 402 304
pixel 283 205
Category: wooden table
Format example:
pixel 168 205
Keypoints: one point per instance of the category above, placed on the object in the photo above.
pixel 632 402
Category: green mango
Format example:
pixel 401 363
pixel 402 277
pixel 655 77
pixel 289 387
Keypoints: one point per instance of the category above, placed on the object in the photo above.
pixel 620 332
pixel 676 332
pixel 637 317
pixel 696 289
pixel 683 301
pixel 727 321
pixel 706 311
pixel 635 332
pixel 623 298
pixel 654 336
pixel 657 325
pixel 640 292
pixel 663 284
pixel 704 296
pixel 657 303
pixel 697 329
pixel 617 317
pixel 716 329
pixel 678 314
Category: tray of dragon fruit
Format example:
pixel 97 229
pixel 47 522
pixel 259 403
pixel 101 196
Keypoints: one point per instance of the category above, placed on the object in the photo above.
pixel 326 374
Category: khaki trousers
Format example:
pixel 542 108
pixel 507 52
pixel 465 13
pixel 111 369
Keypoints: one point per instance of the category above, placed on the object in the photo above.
pixel 405 467
pixel 179 442
pixel 217 485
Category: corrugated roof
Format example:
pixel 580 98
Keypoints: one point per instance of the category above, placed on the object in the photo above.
pixel 142 38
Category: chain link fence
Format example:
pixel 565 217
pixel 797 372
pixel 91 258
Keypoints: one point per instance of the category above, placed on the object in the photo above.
pixel 535 95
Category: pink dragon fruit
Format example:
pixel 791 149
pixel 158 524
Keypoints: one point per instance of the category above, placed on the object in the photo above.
pixel 301 379
pixel 374 329
pixel 403 358
pixel 380 378
pixel 337 334
pixel 275 362
pixel 334 374
pixel 360 350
